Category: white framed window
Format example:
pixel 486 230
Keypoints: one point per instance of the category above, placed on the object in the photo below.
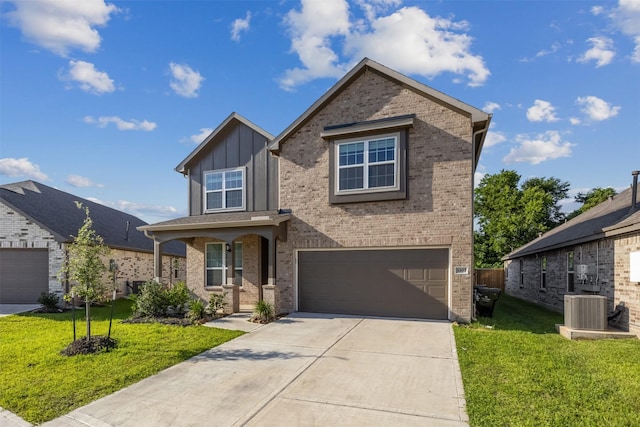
pixel 224 190
pixel 521 273
pixel 543 272
pixel 570 272
pixel 216 263
pixel 367 164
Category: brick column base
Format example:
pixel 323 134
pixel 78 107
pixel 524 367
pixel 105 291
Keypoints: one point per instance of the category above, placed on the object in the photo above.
pixel 270 295
pixel 231 299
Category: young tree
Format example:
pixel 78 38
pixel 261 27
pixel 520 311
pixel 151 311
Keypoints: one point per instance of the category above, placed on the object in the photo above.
pixel 509 216
pixel 590 199
pixel 84 265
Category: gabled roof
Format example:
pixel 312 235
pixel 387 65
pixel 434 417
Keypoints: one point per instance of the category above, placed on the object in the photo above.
pixel 230 121
pixel 479 118
pixel 56 212
pixel 609 218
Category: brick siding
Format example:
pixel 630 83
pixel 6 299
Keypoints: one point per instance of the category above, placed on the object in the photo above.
pixel 608 263
pixel 20 232
pixel 436 213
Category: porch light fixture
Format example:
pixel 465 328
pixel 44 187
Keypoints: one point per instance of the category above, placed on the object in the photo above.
pixel 227 247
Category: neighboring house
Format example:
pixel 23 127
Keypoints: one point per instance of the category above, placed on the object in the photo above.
pixel 363 205
pixel 37 223
pixel 590 254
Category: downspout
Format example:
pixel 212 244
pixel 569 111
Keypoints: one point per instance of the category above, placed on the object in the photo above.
pixel 634 191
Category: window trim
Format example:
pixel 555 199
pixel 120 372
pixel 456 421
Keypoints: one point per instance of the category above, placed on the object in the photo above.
pixel 224 267
pixel 543 273
pixel 398 192
pixel 366 164
pixel 224 190
pixel 571 273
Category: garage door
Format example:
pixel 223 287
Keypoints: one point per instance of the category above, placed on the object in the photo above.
pixel 396 283
pixel 24 275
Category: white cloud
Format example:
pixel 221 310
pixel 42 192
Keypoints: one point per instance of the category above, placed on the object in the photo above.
pixel 596 108
pixel 90 79
pixel 494 138
pixel 490 107
pixel 21 168
pixel 601 51
pixel 239 26
pixel 627 18
pixel 411 41
pixel 408 40
pixel 199 137
pixel 186 82
pixel 575 121
pixel 81 182
pixel 541 111
pixel 60 26
pixel 597 10
pixel 139 209
pixel 311 30
pixel 542 147
pixel 133 124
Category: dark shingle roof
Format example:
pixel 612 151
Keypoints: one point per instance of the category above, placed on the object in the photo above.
pixel 56 211
pixel 593 224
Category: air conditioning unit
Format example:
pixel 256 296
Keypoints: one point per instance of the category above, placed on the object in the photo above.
pixel 585 312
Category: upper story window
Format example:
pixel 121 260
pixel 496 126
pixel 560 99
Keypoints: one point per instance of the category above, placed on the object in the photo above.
pixel 368 160
pixel 224 190
pixel 367 164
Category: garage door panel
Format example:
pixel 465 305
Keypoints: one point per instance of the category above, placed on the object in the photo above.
pixel 374 282
pixel 24 275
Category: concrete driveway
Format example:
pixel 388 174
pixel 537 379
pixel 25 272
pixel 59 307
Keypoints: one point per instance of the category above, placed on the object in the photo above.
pixel 7 309
pixel 303 370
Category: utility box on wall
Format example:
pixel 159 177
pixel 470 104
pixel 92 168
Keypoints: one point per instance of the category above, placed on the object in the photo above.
pixel 634 264
pixel 585 312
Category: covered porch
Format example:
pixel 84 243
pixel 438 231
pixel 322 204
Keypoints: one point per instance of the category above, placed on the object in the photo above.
pixel 233 254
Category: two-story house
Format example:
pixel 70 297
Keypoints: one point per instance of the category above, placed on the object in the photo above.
pixel 363 205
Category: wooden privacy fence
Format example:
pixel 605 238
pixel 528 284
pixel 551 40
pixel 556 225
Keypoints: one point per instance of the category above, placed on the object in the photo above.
pixel 492 277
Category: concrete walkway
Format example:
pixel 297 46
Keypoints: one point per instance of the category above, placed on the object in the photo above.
pixel 304 370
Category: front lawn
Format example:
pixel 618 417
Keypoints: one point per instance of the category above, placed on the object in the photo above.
pixel 517 371
pixel 39 384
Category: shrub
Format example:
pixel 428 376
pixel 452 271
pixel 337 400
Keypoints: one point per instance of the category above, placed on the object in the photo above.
pixel 49 300
pixel 151 300
pixel 178 297
pixel 263 312
pixel 216 303
pixel 196 310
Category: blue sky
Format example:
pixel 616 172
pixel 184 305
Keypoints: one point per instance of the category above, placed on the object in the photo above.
pixel 104 99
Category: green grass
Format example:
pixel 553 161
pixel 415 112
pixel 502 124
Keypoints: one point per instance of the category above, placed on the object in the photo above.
pixel 39 384
pixel 517 371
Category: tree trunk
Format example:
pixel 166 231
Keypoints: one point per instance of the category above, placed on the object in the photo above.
pixel 87 305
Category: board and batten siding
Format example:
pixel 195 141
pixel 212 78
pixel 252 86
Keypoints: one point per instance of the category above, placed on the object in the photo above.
pixel 241 146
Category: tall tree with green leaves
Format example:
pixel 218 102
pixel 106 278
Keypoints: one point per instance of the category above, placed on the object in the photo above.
pixel 508 214
pixel 84 266
pixel 590 199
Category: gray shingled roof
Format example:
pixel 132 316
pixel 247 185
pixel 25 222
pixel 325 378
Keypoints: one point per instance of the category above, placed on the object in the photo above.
pixel 56 211
pixel 608 218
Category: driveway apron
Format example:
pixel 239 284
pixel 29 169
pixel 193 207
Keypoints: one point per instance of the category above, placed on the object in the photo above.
pixel 305 370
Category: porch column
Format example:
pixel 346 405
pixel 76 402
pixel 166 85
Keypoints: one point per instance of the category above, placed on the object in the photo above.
pixel 230 289
pixel 269 291
pixel 157 261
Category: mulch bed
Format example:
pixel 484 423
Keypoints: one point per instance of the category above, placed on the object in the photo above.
pixel 96 344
